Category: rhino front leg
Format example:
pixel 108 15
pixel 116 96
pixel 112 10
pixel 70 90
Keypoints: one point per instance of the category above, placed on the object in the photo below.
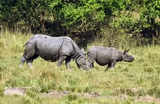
pixel 92 65
pixel 91 61
pixel 113 64
pixel 67 61
pixel 110 65
pixel 61 59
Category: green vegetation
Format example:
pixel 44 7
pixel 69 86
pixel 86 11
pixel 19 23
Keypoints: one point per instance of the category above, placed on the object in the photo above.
pixel 129 83
pixel 84 19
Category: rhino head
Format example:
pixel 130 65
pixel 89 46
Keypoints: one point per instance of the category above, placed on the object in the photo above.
pixel 126 57
pixel 82 61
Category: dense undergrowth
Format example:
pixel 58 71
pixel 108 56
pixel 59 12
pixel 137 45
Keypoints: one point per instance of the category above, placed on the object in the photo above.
pixel 128 83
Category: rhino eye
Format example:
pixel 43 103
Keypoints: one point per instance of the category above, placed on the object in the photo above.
pixel 82 61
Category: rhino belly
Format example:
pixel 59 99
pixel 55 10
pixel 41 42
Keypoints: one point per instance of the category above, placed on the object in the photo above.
pixel 49 56
pixel 49 50
pixel 103 60
pixel 102 63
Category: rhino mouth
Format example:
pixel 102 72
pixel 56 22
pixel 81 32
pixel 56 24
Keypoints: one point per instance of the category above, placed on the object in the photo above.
pixel 129 59
pixel 82 63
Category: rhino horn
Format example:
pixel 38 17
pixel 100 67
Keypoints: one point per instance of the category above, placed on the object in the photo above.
pixel 126 51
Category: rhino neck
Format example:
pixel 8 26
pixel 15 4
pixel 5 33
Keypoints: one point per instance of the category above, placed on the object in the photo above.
pixel 77 55
pixel 77 60
pixel 120 56
pixel 77 52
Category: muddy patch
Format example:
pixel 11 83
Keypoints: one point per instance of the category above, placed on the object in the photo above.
pixel 52 93
pixel 148 99
pixel 60 94
pixel 15 91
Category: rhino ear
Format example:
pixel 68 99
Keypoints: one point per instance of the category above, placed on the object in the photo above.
pixel 126 51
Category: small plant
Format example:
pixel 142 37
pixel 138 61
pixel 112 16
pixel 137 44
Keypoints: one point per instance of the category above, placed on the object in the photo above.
pixel 32 97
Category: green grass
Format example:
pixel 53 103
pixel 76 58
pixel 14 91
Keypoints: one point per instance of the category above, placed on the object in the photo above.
pixel 127 84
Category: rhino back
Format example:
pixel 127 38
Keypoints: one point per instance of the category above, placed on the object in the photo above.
pixel 50 48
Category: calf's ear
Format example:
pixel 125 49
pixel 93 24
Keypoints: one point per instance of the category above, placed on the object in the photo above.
pixel 126 51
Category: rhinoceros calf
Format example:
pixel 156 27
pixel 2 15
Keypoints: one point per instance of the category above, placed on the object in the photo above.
pixel 107 56
pixel 53 49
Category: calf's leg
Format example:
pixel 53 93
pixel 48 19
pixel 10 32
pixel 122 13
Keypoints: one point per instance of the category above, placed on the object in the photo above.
pixel 113 64
pixel 92 65
pixel 110 65
pixel 91 61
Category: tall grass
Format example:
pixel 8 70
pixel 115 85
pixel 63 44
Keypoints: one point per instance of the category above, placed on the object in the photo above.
pixel 126 84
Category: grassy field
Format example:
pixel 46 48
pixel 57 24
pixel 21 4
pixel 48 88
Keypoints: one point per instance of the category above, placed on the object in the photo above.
pixel 130 83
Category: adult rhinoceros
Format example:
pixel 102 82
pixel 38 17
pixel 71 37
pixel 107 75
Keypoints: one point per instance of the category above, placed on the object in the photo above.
pixel 53 49
pixel 107 56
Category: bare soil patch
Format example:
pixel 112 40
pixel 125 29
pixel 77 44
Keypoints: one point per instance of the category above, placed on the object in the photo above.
pixel 59 94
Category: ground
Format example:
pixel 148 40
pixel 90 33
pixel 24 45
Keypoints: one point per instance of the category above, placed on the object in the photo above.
pixel 128 83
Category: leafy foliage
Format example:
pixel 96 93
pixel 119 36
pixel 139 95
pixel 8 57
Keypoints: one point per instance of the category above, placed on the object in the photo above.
pixel 144 18
pixel 140 17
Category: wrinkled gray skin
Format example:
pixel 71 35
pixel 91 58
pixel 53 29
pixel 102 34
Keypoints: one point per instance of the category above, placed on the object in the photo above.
pixel 108 56
pixel 53 49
